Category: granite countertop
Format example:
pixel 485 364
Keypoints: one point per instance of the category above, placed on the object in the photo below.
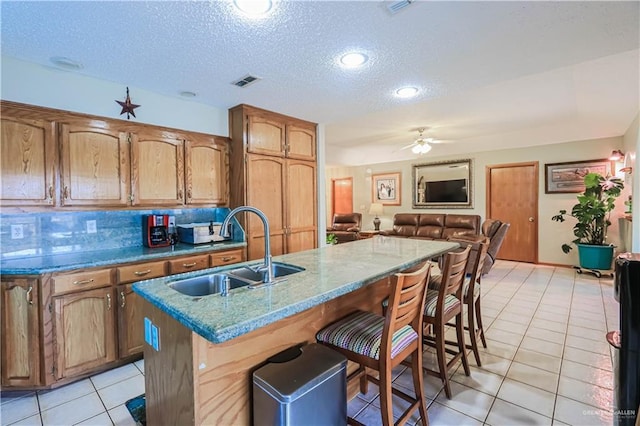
pixel 88 259
pixel 330 272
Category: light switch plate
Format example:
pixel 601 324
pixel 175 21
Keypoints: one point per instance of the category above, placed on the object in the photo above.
pixel 92 227
pixel 17 232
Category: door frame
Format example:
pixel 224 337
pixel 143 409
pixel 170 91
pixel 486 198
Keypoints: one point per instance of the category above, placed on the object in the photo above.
pixel 536 189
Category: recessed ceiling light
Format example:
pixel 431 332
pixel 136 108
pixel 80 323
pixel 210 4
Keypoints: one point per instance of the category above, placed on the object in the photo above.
pixel 65 63
pixel 254 7
pixel 354 59
pixel 407 92
pixel 188 94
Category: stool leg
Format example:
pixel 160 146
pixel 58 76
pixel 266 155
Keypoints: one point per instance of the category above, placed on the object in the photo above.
pixel 416 370
pixel 473 336
pixel 442 360
pixel 461 346
pixel 386 404
pixel 479 321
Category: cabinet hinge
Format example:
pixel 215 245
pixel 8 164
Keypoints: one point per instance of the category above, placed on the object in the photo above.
pixel 129 137
pixel 53 370
pixel 50 308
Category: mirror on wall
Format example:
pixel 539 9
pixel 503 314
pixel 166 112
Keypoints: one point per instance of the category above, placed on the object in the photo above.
pixel 445 184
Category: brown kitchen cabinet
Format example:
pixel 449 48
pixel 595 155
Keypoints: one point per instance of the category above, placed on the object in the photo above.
pixel 60 326
pixel 130 322
pixel 94 166
pixel 84 326
pixel 206 170
pixel 28 161
pixel 20 343
pixel 157 169
pixel 279 181
pixel 188 264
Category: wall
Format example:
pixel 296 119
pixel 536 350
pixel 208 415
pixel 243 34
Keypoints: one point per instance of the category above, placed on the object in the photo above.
pixel 49 87
pixel 551 235
pixel 632 145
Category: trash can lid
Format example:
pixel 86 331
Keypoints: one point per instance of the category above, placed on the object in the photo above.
pixel 287 381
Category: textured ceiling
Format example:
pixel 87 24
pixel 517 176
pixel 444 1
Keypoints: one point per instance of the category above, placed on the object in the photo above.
pixel 491 74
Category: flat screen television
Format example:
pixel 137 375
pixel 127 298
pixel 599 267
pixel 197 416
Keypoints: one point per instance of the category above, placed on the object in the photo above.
pixel 443 191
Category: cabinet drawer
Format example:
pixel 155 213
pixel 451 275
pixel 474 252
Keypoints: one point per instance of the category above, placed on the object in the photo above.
pixel 227 257
pixel 186 264
pixel 81 281
pixel 141 271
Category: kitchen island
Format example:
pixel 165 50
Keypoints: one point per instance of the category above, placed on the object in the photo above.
pixel 199 371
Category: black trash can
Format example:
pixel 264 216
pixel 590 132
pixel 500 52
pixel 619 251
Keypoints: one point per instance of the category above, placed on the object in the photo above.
pixel 301 386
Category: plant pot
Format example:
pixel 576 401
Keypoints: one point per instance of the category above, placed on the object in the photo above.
pixel 595 257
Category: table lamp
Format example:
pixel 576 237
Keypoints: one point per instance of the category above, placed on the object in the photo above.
pixel 376 209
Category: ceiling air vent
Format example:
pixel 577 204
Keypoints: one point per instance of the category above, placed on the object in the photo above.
pixel 245 81
pixel 396 6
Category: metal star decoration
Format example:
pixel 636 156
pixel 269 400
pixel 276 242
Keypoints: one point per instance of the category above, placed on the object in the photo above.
pixel 127 106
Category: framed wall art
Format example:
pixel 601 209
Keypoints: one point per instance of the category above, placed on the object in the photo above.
pixel 563 178
pixel 386 189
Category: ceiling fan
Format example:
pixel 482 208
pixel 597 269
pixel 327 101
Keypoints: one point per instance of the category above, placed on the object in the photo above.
pixel 422 144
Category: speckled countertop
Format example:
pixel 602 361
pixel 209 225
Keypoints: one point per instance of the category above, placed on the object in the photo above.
pixel 329 272
pixel 88 259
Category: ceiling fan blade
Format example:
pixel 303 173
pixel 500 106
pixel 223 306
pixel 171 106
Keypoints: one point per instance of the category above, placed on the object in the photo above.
pixel 408 146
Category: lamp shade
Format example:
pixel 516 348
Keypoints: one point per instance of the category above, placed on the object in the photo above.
pixel 376 209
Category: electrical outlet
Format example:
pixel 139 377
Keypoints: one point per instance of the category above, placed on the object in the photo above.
pixel 17 232
pixel 92 227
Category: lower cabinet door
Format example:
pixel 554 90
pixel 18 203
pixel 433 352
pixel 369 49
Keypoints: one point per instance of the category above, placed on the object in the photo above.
pixel 84 328
pixel 20 343
pixel 130 322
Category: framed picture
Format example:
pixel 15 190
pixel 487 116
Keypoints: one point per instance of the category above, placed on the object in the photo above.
pixel 386 189
pixel 562 178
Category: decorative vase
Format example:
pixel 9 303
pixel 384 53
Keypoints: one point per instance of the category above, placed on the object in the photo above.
pixel 595 257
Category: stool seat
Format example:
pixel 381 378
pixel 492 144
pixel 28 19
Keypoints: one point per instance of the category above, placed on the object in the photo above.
pixel 361 332
pixel 451 302
pixel 436 281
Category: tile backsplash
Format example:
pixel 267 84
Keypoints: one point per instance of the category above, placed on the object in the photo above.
pixel 37 234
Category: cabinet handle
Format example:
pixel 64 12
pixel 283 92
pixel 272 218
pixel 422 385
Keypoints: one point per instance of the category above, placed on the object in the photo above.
pixel 50 194
pixel 189 265
pixel 180 194
pixel 189 194
pixel 140 273
pixel 123 301
pixel 108 302
pixel 30 296
pixel 228 258
pixel 83 282
pixel 65 193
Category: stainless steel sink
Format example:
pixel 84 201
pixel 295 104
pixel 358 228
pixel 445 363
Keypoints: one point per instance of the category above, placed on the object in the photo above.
pixel 241 277
pixel 207 284
pixel 279 270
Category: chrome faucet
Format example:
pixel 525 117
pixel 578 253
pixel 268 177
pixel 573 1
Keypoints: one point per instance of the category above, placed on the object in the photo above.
pixel 224 232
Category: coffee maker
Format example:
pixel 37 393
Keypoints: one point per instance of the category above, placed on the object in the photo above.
pixel 155 230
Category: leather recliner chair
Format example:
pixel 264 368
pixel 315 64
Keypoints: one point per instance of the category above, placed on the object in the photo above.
pixel 493 230
pixel 345 226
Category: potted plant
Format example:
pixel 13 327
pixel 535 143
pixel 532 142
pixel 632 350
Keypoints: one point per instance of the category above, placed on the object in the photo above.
pixel 332 239
pixel 592 212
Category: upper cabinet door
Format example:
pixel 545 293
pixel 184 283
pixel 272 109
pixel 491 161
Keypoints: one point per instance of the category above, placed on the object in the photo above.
pixel 206 171
pixel 28 162
pixel 94 165
pixel 157 172
pixel 301 142
pixel 265 136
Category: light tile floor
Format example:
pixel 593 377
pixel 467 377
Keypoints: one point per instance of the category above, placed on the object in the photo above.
pixel 547 362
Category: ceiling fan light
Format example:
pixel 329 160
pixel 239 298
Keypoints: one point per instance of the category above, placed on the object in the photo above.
pixel 421 148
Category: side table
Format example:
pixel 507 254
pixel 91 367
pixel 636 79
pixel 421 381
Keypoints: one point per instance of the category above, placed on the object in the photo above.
pixel 363 235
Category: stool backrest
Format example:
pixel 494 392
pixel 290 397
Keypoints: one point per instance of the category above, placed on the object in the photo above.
pixel 477 255
pixel 406 304
pixel 453 274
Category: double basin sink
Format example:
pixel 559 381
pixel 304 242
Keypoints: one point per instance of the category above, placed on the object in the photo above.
pixel 216 283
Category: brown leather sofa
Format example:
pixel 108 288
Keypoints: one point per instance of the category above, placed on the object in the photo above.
pixel 434 226
pixel 346 226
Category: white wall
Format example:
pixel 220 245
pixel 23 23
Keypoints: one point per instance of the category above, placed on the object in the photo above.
pixel 551 235
pixel 34 84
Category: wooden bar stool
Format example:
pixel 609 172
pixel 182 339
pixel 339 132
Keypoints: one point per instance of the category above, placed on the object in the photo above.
pixel 441 306
pixel 383 342
pixel 471 294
